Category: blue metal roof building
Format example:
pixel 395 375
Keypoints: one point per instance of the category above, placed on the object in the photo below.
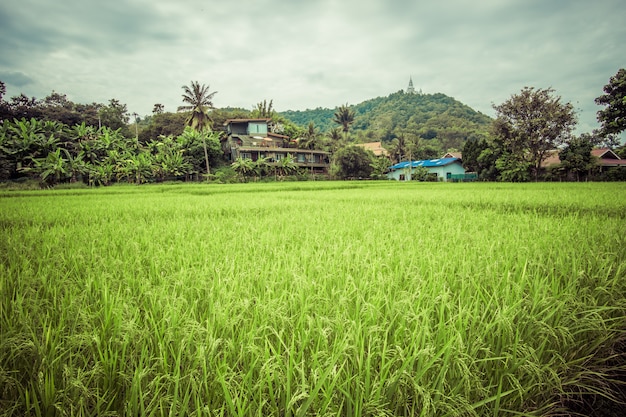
pixel 444 168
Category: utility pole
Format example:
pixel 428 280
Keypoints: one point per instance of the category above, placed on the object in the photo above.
pixel 136 125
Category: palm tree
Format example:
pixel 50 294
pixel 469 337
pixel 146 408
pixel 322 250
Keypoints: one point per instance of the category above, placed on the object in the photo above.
pixel 263 110
pixel 158 109
pixel 344 116
pixel 399 148
pixel 199 101
pixel 309 138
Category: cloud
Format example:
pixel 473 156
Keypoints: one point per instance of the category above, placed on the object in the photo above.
pixel 18 79
pixel 307 54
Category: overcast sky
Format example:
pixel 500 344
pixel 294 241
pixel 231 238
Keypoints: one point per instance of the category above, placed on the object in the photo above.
pixel 311 53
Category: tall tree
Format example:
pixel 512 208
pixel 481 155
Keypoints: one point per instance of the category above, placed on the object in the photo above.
pixel 5 113
pixel 115 116
pixel 158 109
pixel 613 117
pixel 471 151
pixel 344 116
pixel 200 145
pixel 353 162
pixel 576 157
pixel 199 101
pixel 399 149
pixel 308 139
pixel 263 110
pixel 23 107
pixel 529 125
pixel 58 107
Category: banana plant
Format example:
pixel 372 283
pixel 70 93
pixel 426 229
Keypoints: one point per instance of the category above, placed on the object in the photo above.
pixel 136 168
pixel 53 168
pixel 243 166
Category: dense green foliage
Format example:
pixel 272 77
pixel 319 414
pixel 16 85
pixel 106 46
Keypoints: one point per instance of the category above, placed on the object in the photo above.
pixel 613 116
pixel 528 126
pixel 353 162
pixel 328 298
pixel 57 107
pixel 55 153
pixel 434 117
pixel 576 158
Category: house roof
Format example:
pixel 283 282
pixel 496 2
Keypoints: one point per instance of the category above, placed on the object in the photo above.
pixel 276 135
pixel 428 163
pixel 552 158
pixel 229 121
pixel 375 147
pixel 453 155
pixel 606 157
pixel 604 153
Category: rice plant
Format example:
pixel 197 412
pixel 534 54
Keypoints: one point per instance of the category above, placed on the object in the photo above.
pixel 298 299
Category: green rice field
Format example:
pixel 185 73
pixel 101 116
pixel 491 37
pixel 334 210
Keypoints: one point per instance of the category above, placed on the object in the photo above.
pixel 313 299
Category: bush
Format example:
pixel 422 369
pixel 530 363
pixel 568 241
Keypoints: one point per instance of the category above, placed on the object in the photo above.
pixel 224 175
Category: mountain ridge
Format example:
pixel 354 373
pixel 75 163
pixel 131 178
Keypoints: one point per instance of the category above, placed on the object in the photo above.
pixel 426 116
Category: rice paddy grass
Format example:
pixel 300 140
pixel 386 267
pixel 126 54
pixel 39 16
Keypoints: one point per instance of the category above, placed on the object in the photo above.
pixel 325 299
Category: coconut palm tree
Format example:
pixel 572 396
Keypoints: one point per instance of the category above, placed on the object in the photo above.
pixel 344 116
pixel 199 101
pixel 308 140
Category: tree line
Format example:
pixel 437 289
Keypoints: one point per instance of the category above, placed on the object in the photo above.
pixel 56 140
pixel 535 124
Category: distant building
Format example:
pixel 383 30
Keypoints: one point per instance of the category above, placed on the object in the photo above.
pixel 453 155
pixel 445 169
pixel 411 90
pixel 605 159
pixel 375 147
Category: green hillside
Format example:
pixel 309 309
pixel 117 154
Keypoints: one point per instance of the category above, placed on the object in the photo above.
pixel 433 117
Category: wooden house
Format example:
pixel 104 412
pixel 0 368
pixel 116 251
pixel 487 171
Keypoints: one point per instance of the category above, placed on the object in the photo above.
pixel 254 139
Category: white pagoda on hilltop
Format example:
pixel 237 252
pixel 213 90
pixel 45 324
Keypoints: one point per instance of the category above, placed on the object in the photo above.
pixel 410 89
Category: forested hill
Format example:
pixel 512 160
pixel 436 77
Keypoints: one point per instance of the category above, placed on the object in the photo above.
pixel 428 116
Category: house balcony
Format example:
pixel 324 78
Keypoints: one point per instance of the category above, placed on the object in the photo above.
pixel 302 157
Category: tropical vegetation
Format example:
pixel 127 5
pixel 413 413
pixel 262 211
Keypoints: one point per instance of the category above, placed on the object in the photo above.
pixel 37 139
pixel 326 298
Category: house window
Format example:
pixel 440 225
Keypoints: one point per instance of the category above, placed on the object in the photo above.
pixel 257 128
pixel 301 157
pixel 280 156
pixel 246 155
